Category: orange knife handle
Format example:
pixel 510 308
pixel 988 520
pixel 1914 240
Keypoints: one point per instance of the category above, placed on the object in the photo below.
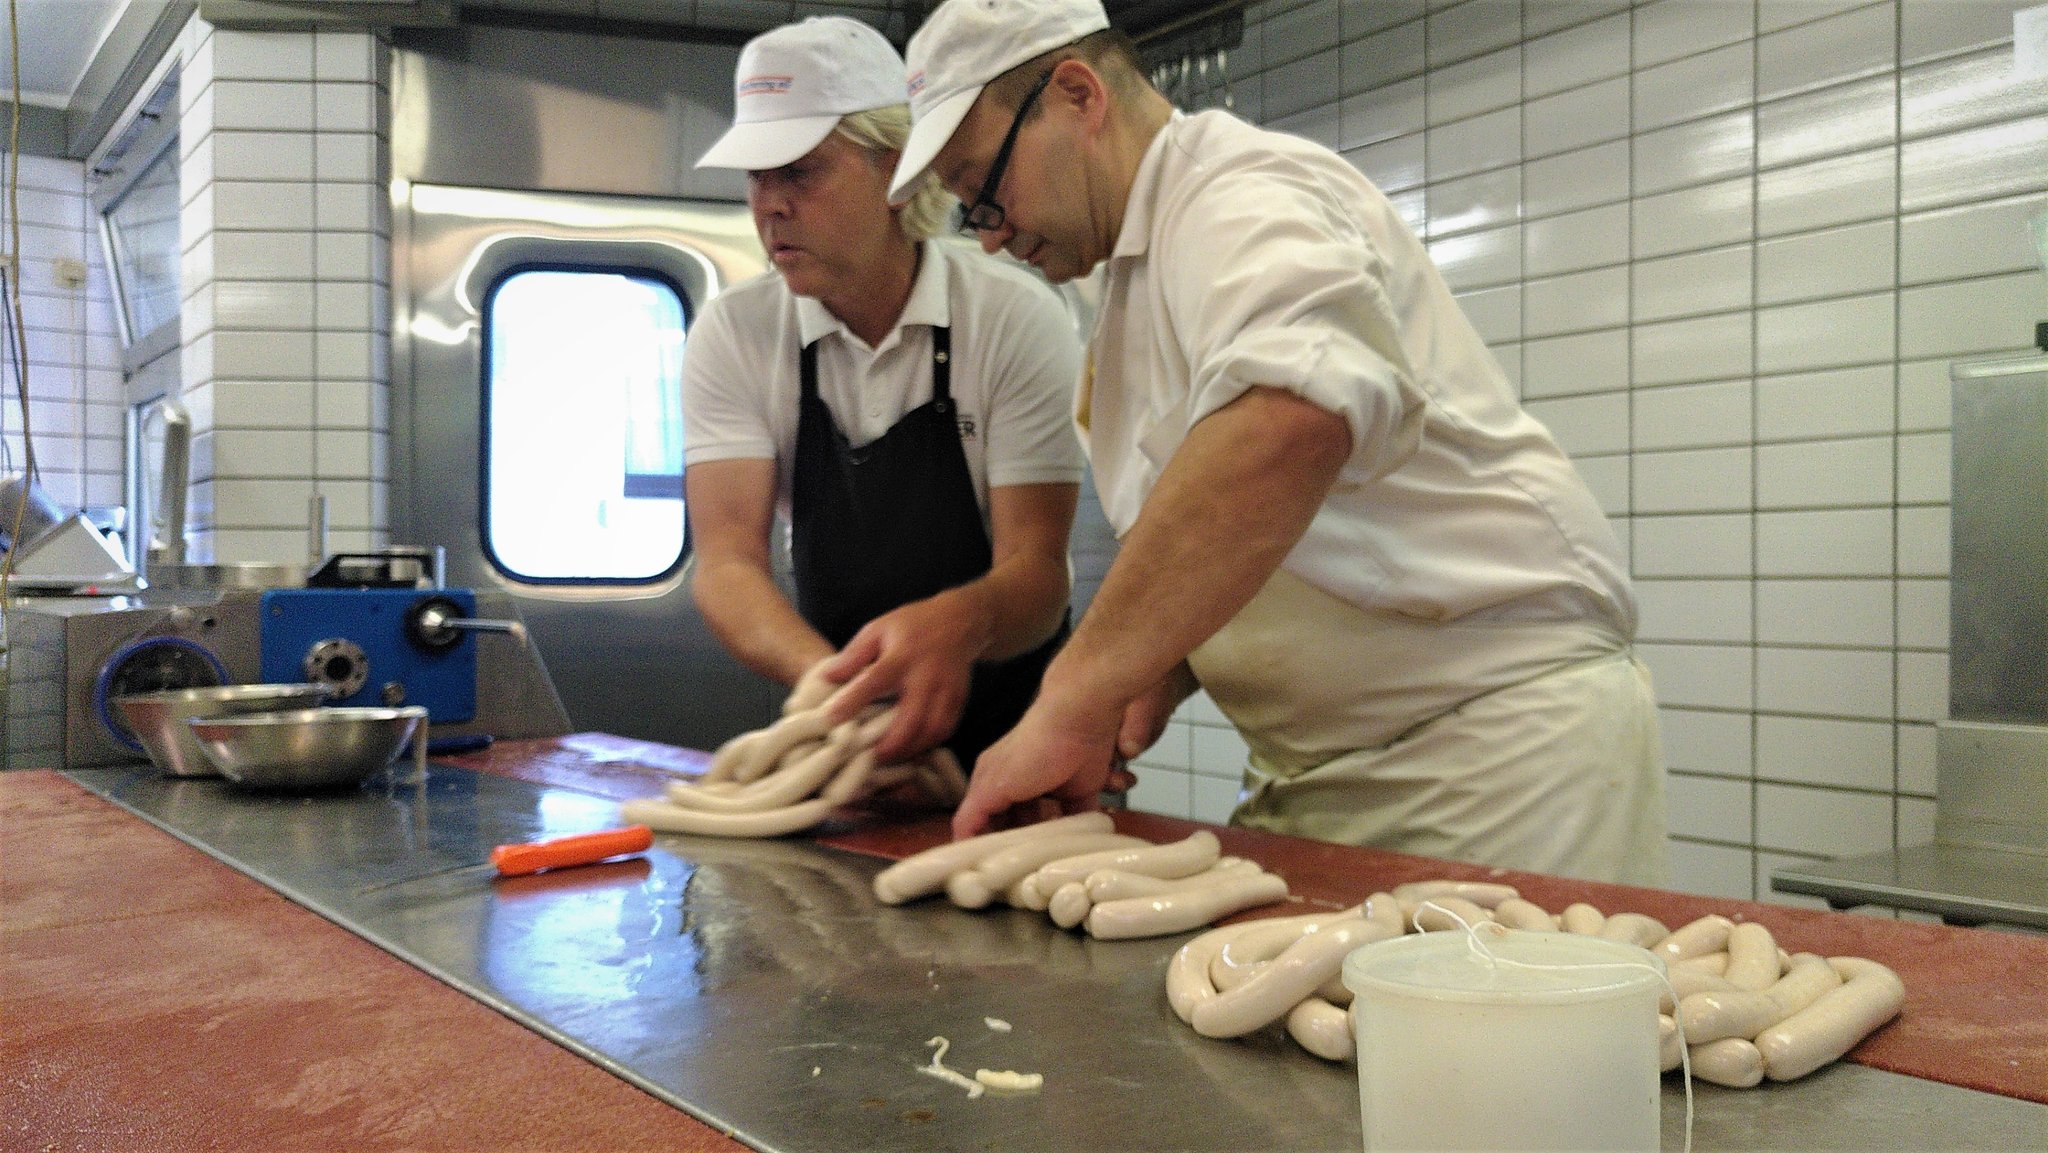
pixel 579 849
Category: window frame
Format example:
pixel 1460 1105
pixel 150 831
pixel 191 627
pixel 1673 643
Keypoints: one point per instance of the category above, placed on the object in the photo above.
pixel 485 313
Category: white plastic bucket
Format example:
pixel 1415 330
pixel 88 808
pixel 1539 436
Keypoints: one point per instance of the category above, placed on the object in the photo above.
pixel 1549 1043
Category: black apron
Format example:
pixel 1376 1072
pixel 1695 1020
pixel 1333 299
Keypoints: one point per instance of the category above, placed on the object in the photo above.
pixel 894 521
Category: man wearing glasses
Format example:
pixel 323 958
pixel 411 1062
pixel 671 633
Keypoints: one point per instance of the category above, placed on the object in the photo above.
pixel 905 405
pixel 1334 516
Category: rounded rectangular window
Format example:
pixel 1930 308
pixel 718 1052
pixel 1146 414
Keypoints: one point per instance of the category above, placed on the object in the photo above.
pixel 583 425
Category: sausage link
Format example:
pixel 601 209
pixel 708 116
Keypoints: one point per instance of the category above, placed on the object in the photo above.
pixel 1685 982
pixel 671 818
pixel 1712 964
pixel 978 884
pixel 1582 918
pixel 1323 1029
pixel 1484 894
pixel 1192 854
pixel 1870 995
pixel 1115 884
pixel 1743 1013
pixel 1442 912
pixel 1752 956
pixel 1184 910
pixel 1285 981
pixel 1187 974
pixel 1709 934
pixel 1516 913
pixel 923 874
pixel 1670 1044
pixel 1731 1061
pixel 1266 940
pixel 1069 905
pixel 1634 929
pixel 779 738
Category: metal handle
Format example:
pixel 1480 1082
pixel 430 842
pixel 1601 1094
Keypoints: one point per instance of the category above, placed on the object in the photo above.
pixel 439 622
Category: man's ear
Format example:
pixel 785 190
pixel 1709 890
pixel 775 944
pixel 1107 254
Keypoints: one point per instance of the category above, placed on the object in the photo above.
pixel 1079 86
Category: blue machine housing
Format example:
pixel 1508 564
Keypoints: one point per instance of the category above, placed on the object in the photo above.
pixel 443 679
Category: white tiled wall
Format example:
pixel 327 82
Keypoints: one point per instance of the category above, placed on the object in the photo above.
pixel 1728 248
pixel 286 324
pixel 73 355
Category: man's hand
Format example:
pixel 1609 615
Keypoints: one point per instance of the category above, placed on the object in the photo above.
pixel 1146 717
pixel 1056 761
pixel 921 654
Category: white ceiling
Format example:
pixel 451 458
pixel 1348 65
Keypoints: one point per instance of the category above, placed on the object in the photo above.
pixel 58 39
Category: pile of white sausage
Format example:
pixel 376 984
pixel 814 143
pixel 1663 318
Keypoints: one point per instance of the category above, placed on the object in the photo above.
pixel 1080 872
pixel 1744 1009
pixel 788 776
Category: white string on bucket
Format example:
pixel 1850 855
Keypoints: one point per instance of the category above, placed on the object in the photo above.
pixel 1479 948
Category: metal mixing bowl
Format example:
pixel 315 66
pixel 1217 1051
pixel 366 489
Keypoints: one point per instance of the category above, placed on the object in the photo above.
pixel 159 719
pixel 306 748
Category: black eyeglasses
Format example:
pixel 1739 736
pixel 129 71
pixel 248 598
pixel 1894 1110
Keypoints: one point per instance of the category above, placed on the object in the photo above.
pixel 985 215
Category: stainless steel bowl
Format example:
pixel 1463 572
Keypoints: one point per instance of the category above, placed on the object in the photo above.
pixel 159 719
pixel 306 748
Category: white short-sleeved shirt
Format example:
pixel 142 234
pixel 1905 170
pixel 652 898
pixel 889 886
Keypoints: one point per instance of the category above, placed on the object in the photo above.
pixel 1014 360
pixel 1250 257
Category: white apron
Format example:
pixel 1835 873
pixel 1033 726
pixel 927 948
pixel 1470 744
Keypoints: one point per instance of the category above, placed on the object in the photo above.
pixel 1539 752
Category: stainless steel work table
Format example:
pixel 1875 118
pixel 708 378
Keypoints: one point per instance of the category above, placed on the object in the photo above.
pixel 758 986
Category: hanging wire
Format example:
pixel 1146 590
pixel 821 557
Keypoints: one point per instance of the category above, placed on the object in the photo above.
pixel 17 325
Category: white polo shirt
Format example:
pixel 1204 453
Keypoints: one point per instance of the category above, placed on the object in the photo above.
pixel 1250 257
pixel 1014 359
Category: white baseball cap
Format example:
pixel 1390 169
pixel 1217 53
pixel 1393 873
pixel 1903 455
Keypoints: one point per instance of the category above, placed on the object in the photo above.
pixel 963 46
pixel 793 85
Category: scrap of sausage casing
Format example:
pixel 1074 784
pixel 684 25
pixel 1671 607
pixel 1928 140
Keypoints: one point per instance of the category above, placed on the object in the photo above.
pixel 923 874
pixel 1180 911
pixel 1870 995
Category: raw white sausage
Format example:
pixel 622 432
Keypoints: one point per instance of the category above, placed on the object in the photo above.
pixel 1444 911
pixel 975 886
pixel 1516 913
pixel 1285 981
pixel 1713 964
pixel 1870 995
pixel 1580 917
pixel 1742 1013
pixel 1187 974
pixel 1323 1029
pixel 1192 854
pixel 1670 1044
pixel 1730 1061
pixel 1752 956
pixel 1709 934
pixel 1685 982
pixel 1115 884
pixel 1180 911
pixel 922 874
pixel 665 817
pixel 777 739
pixel 1485 894
pixel 1069 906
pixel 1634 929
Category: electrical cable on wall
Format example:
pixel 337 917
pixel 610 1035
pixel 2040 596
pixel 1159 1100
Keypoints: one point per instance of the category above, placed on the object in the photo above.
pixel 17 341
